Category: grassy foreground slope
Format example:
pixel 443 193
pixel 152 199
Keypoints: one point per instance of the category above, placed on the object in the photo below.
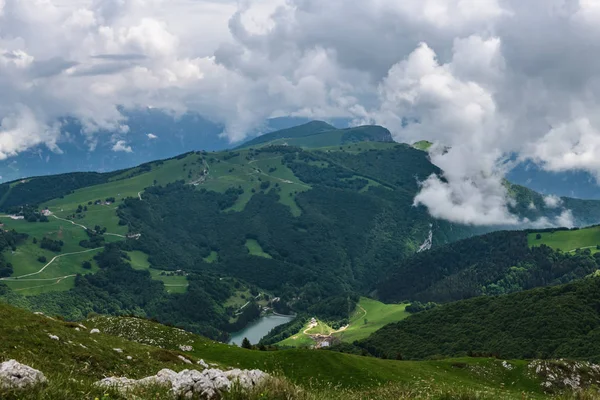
pixel 79 358
pixel 553 322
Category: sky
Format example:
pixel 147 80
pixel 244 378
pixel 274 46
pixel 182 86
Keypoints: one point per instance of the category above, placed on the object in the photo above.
pixel 487 79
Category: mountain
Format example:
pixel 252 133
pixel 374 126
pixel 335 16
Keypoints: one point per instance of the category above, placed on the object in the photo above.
pixel 152 134
pixel 493 264
pixel 72 359
pixel 208 239
pixel 578 184
pixel 554 322
pixel 316 134
pixel 310 227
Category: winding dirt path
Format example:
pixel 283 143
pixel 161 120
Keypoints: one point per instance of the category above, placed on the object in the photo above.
pixel 581 248
pixel 12 278
pixel 71 222
pixel 58 280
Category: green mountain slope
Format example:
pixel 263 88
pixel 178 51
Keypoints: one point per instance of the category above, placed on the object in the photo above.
pixel 368 316
pixel 492 264
pixel 532 205
pixel 210 227
pixel 562 321
pixel 135 348
pixel 315 228
pixel 308 129
pixel 567 240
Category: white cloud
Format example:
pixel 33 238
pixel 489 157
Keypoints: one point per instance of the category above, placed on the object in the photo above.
pixel 151 136
pixel 565 219
pixel 122 145
pixel 466 202
pixel 469 74
pixel 552 201
pixel 570 146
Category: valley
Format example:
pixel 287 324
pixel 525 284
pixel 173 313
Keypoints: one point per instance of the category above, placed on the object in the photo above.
pixel 307 244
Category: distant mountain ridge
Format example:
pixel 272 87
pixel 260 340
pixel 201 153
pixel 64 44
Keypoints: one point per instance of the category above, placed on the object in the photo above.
pixel 316 134
pixel 152 134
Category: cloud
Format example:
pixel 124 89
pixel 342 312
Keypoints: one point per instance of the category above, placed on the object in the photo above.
pixel 151 136
pixel 21 130
pixel 477 79
pixel 565 219
pixel 120 57
pixel 466 202
pixel 552 201
pixel 122 145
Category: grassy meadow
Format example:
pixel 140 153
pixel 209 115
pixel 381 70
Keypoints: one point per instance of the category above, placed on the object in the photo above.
pixel 173 283
pixel 568 240
pixel 369 316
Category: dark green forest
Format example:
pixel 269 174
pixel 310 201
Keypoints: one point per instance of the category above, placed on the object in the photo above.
pixel 38 190
pixel 551 322
pixel 343 242
pixel 492 264
pixel 8 241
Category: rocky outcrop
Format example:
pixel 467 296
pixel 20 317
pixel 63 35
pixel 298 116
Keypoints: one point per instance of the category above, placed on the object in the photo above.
pixel 559 375
pixel 14 375
pixel 208 384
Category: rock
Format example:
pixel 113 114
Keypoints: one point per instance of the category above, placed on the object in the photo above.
pixel 53 337
pixel 185 360
pixel 122 384
pixel 14 375
pixel 202 363
pixel 507 365
pixel 246 379
pixel 77 329
pixel 185 347
pixel 129 358
pixel 558 375
pixel 118 350
pixel 208 384
pixel 95 330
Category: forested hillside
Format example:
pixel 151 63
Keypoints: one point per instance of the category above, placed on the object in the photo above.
pixel 344 239
pixel 207 240
pixel 553 322
pixel 492 264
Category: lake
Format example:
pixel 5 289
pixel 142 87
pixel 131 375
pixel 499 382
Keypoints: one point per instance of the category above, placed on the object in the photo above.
pixel 259 328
